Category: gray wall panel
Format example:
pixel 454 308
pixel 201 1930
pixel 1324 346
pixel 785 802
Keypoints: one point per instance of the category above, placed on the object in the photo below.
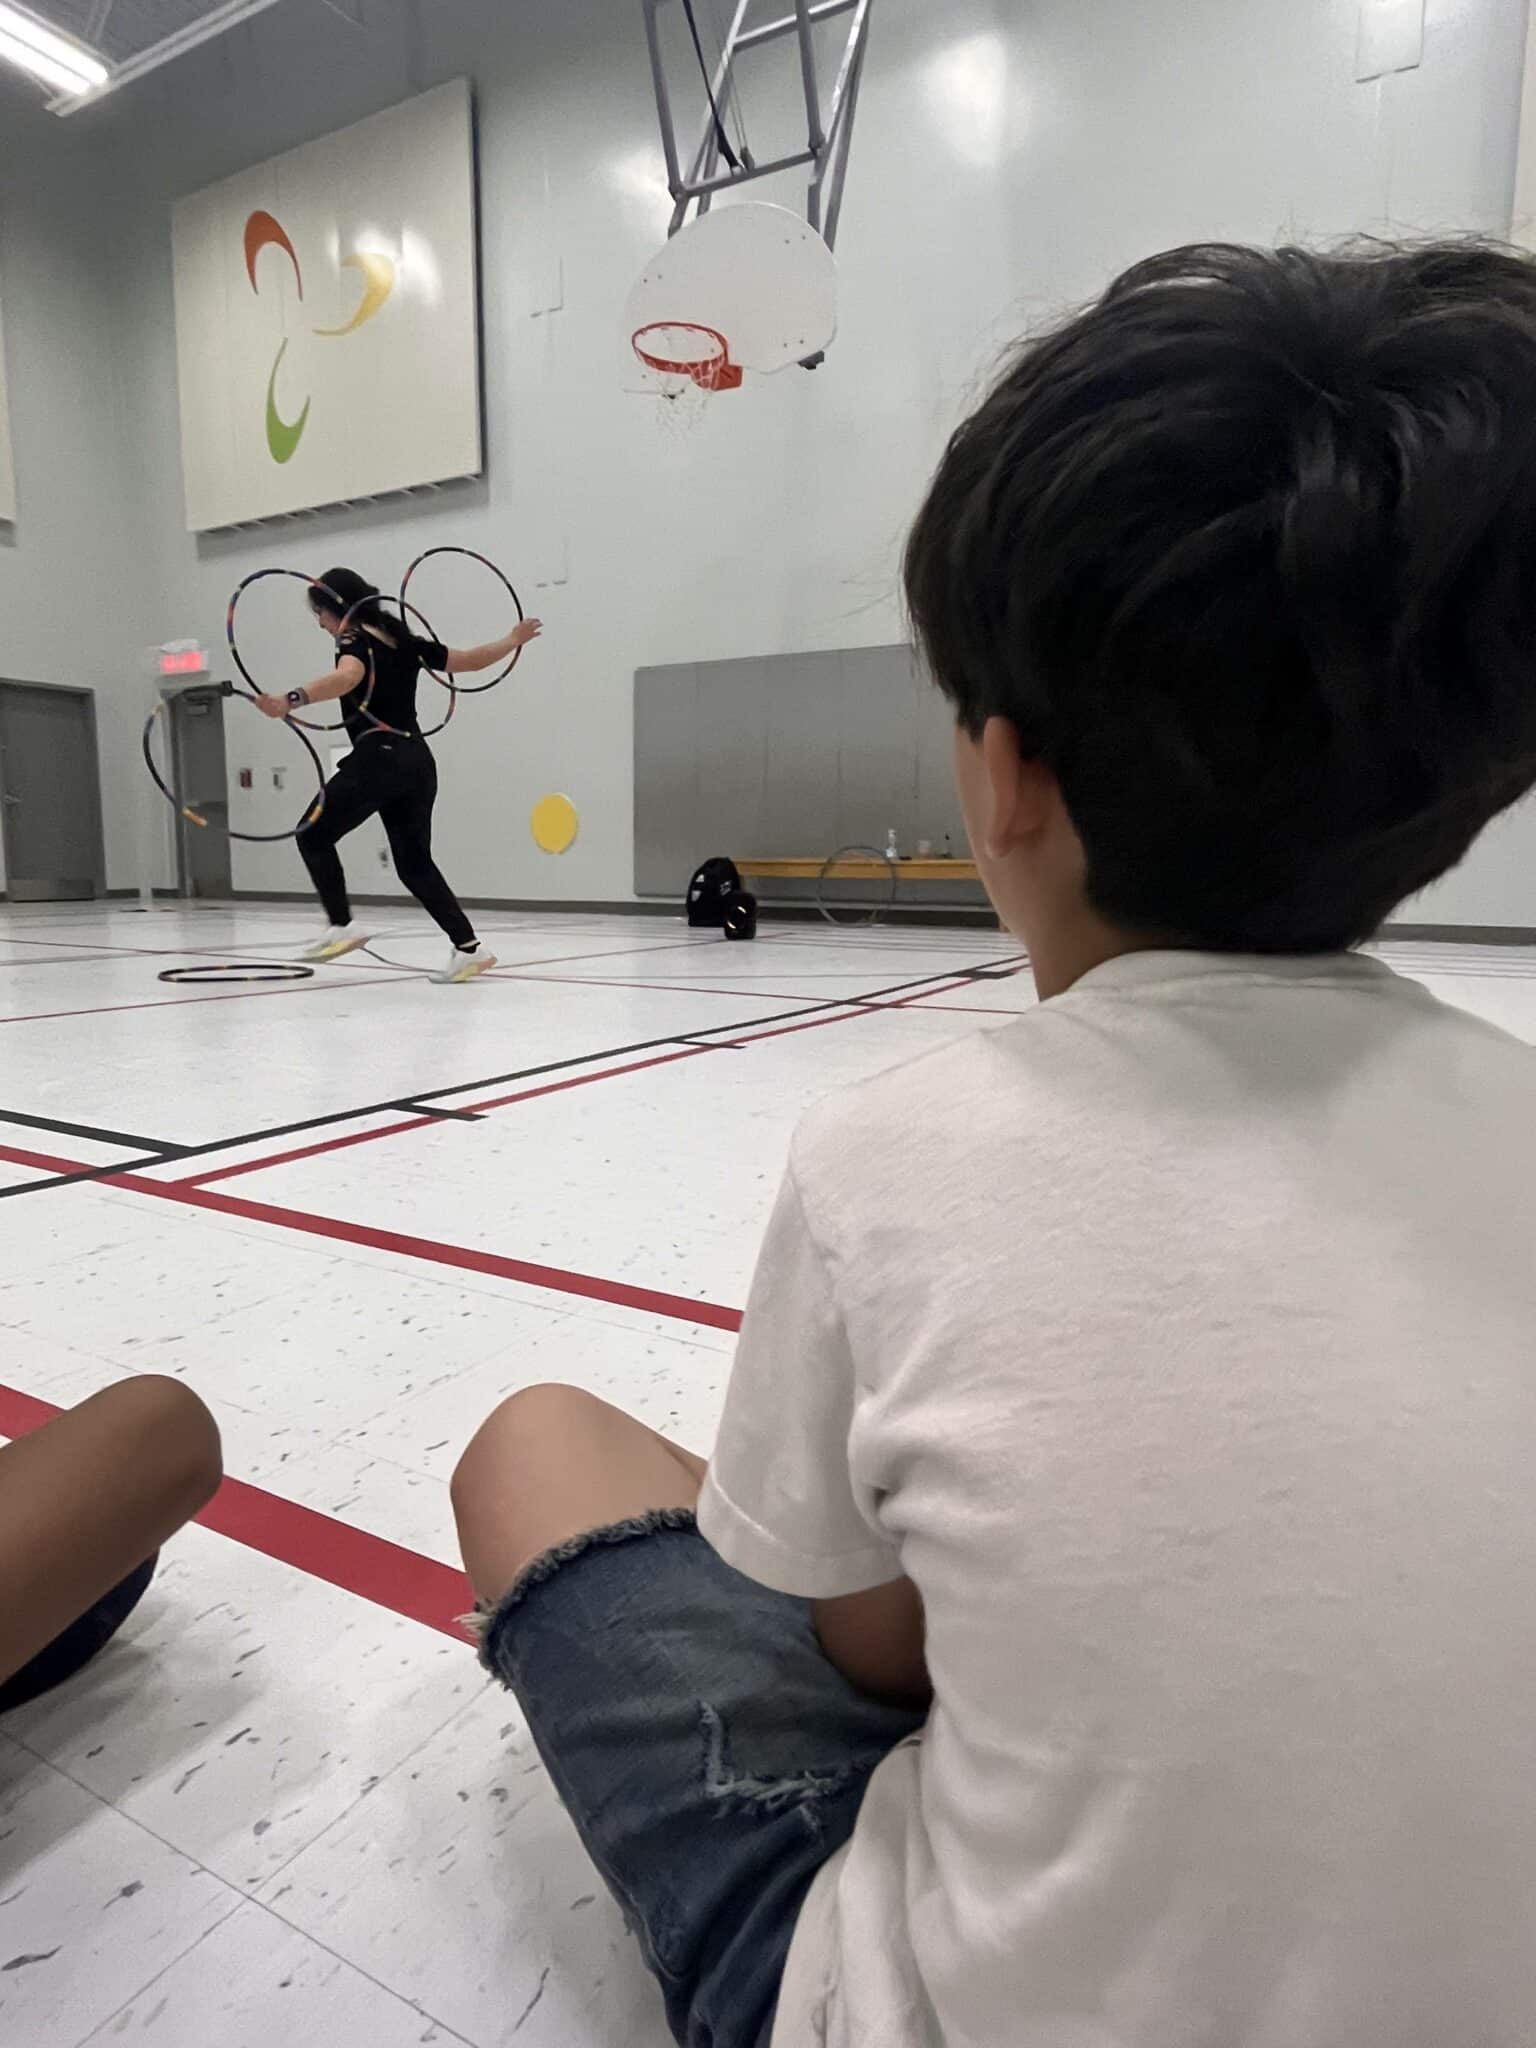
pixel 732 741
pixel 793 754
pixel 667 770
pixel 805 738
pixel 938 807
pixel 879 750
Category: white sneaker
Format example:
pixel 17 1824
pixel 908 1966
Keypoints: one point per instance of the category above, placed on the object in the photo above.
pixel 337 940
pixel 464 966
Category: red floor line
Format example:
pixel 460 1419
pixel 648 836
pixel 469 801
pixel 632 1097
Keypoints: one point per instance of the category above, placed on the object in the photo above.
pixel 526 1272
pixel 529 1273
pixel 45 1162
pixel 243 995
pixel 322 1145
pixel 673 988
pixel 768 995
pixel 403 1581
pixel 811 1024
pixel 661 1059
pixel 608 953
pixel 924 995
pixel 104 951
pixel 973 1010
pixel 200 1180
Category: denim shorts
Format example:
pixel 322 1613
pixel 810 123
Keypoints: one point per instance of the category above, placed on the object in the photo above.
pixel 711 1758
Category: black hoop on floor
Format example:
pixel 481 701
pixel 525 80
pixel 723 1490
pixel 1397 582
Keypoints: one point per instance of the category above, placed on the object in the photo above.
pixel 214 976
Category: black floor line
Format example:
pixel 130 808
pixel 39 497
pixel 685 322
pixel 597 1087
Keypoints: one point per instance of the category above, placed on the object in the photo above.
pixel 426 1096
pixel 163 1148
pixel 454 1116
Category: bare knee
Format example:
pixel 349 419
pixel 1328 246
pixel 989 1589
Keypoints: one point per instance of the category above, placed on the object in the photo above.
pixel 177 1432
pixel 526 1426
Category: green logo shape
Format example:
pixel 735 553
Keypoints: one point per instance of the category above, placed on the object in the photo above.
pixel 282 439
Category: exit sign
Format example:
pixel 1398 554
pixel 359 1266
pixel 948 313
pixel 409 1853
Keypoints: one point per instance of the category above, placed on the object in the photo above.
pixel 182 661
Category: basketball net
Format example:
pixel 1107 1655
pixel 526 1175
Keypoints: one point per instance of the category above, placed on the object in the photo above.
pixel 685 364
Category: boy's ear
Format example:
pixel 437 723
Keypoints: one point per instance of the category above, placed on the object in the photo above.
pixel 1020 791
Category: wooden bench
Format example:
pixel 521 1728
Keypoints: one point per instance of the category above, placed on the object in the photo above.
pixel 937 869
pixel 862 865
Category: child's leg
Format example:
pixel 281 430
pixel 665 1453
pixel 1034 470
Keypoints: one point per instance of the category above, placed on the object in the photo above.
pixel 551 1463
pixel 86 1499
pixel 709 1754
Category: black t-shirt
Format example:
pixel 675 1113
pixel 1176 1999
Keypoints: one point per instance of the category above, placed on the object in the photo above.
pixel 395 670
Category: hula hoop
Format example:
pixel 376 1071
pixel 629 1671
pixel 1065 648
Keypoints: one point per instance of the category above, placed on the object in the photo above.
pixel 214 976
pixel 871 913
pixel 469 689
pixel 193 817
pixel 310 583
pixel 403 605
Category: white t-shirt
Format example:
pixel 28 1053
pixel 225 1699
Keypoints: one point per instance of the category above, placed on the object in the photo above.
pixel 1179 1342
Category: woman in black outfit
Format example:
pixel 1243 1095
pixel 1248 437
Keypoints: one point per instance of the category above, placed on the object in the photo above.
pixel 390 769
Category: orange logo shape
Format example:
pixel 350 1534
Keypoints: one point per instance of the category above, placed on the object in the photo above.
pixel 264 231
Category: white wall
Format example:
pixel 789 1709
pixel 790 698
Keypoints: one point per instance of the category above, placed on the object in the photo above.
pixel 1009 158
pixel 74 606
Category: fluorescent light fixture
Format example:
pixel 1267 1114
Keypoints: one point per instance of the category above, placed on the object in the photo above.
pixel 66 66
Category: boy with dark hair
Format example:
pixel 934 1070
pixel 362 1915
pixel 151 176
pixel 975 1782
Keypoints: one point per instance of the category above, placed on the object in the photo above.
pixel 1107 1619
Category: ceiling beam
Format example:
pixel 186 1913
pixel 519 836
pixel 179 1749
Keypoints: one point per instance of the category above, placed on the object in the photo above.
pixel 192 37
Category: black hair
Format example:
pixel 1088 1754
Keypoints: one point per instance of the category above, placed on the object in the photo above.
pixel 353 590
pixel 1247 554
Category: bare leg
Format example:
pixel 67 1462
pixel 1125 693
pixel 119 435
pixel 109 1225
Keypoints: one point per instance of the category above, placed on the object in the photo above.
pixel 549 1464
pixel 89 1496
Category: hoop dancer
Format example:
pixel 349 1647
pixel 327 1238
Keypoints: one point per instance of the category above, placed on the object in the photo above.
pixel 390 770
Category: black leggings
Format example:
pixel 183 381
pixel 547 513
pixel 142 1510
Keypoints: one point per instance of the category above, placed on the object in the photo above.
pixel 395 776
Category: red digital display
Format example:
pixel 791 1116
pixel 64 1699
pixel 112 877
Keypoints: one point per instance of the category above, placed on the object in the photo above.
pixel 191 662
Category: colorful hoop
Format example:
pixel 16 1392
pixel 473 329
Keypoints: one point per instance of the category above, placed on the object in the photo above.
pixel 310 583
pixel 468 689
pixel 196 817
pixel 403 605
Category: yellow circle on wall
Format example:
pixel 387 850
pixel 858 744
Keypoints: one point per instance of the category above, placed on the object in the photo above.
pixel 554 824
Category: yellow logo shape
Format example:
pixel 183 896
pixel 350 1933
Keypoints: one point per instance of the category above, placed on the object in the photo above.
pixel 264 231
pixel 378 274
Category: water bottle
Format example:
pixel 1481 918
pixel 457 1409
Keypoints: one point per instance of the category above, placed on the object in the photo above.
pixel 892 851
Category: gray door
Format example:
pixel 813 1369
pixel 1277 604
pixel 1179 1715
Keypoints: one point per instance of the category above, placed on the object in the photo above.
pixel 50 794
pixel 202 783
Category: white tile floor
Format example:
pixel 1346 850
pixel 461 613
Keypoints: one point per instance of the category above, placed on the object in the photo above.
pixel 274 1809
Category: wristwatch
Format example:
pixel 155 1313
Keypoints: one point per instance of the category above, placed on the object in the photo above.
pixel 296 699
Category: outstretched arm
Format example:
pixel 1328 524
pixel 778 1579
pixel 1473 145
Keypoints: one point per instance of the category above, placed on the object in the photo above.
pixel 342 680
pixel 467 660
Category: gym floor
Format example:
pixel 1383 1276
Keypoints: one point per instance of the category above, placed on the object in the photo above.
pixel 354 1212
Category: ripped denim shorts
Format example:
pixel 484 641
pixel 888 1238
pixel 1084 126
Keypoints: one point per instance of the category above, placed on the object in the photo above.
pixel 710 1756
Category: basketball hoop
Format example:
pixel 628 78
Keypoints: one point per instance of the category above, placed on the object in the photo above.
pixel 685 363
pixel 683 349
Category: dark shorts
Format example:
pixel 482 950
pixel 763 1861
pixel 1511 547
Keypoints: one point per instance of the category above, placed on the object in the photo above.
pixel 710 1756
pixel 80 1642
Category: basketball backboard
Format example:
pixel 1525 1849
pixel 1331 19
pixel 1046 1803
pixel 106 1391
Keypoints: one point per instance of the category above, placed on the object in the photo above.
pixel 743 287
